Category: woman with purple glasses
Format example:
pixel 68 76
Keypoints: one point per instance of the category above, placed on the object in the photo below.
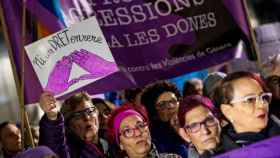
pixel 200 127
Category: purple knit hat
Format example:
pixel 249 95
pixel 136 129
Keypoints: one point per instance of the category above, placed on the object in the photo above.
pixel 121 116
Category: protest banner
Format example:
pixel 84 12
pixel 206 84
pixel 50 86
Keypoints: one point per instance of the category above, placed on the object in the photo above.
pixel 71 58
pixel 150 40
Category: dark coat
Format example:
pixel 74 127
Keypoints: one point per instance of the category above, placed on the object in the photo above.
pixel 167 140
pixel 247 138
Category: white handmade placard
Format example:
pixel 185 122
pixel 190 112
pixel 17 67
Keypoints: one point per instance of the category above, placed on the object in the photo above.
pixel 71 58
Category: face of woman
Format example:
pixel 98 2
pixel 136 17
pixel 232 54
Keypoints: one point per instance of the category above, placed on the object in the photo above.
pixel 104 114
pixel 248 110
pixel 202 129
pixel 135 137
pixel 167 106
pixel 85 122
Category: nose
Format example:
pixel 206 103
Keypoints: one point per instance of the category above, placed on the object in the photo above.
pixel 138 132
pixel 86 117
pixel 261 103
pixel 204 129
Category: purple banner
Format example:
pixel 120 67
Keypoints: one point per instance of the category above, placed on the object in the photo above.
pixel 150 39
pixel 265 149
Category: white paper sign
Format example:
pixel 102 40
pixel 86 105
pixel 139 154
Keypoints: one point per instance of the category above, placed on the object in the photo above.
pixel 72 58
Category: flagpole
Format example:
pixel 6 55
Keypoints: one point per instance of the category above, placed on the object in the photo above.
pixel 19 86
pixel 252 34
pixel 24 113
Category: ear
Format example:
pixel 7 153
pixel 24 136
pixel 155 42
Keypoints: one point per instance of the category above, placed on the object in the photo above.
pixel 226 110
pixel 183 133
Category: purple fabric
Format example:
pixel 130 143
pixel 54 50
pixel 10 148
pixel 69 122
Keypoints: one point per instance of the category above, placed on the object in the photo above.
pixel 53 24
pixel 12 11
pixel 125 57
pixel 264 149
pixel 38 152
pixel 12 16
pixel 120 117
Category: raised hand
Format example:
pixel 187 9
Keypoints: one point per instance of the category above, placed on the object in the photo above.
pixel 95 65
pixel 48 105
pixel 58 78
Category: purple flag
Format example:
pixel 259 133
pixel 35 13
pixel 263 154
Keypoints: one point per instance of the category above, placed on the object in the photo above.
pixel 264 149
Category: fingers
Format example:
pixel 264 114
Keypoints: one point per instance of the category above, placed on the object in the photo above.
pixel 88 76
pixel 66 61
pixel 76 56
pixel 73 81
pixel 84 52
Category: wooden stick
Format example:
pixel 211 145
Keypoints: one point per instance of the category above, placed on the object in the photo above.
pixel 19 86
pixel 10 52
pixel 25 115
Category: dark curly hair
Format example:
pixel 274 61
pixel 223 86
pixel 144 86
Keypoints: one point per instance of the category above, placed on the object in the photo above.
pixel 152 92
pixel 130 94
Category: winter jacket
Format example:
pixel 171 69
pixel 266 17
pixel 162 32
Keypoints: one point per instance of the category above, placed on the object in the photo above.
pixel 247 138
pixel 167 140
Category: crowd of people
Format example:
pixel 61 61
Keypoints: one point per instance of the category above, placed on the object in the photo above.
pixel 212 116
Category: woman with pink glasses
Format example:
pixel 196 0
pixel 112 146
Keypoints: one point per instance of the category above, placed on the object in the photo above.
pixel 130 135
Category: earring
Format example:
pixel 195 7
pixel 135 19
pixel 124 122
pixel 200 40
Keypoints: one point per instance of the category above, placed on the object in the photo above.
pixel 121 146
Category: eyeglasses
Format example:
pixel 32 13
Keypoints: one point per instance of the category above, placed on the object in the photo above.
pixel 167 104
pixel 92 111
pixel 265 98
pixel 131 132
pixel 209 121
